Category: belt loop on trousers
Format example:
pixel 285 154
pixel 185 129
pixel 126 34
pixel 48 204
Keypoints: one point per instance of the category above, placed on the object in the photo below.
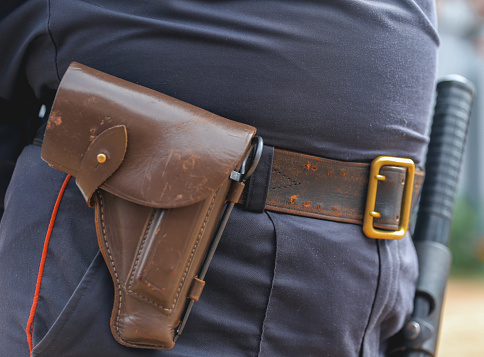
pixel 258 184
pixel 44 114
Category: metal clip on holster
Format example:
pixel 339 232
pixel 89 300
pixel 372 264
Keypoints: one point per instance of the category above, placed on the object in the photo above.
pixel 163 177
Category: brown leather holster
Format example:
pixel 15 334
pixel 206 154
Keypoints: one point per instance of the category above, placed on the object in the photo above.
pixel 158 173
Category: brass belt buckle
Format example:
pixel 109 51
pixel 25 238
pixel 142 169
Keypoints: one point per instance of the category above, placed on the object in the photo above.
pixel 370 213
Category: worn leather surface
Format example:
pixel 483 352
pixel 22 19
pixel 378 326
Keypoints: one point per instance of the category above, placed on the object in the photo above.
pixel 176 154
pixel 91 174
pixel 321 188
pixel 157 171
pixel 154 256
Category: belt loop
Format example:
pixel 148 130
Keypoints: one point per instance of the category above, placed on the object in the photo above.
pixel 43 117
pixel 259 182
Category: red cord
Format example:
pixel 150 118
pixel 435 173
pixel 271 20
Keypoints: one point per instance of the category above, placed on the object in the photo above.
pixel 30 322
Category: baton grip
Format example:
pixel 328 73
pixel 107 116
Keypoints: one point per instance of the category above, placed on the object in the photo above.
pixel 432 229
pixel 444 158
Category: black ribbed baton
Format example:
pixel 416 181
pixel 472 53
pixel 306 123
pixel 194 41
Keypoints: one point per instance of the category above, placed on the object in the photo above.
pixel 432 230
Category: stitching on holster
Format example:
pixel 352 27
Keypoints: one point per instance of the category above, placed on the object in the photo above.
pixel 106 245
pixel 187 267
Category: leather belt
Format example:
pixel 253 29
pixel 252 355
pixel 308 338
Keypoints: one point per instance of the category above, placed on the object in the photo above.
pixel 316 187
pixel 333 190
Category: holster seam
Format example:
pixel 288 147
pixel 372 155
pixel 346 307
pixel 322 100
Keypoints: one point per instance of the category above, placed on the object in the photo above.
pixel 131 278
pixel 187 267
pixel 106 245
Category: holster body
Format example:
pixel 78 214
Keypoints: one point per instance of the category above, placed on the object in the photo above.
pixel 157 171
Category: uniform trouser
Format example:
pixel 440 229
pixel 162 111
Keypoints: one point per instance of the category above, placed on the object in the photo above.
pixel 279 285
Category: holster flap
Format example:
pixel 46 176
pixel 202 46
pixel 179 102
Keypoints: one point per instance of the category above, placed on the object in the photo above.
pixel 171 153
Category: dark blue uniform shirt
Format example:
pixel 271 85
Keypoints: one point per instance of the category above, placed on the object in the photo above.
pixel 342 79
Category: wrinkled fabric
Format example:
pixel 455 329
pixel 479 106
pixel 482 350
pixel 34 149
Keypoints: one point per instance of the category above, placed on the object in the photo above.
pixel 347 80
pixel 279 285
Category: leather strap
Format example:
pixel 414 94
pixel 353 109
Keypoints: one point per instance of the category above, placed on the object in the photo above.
pixel 311 186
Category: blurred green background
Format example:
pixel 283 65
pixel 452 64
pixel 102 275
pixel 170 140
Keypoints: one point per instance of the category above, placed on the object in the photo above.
pixel 461 30
pixel 466 243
